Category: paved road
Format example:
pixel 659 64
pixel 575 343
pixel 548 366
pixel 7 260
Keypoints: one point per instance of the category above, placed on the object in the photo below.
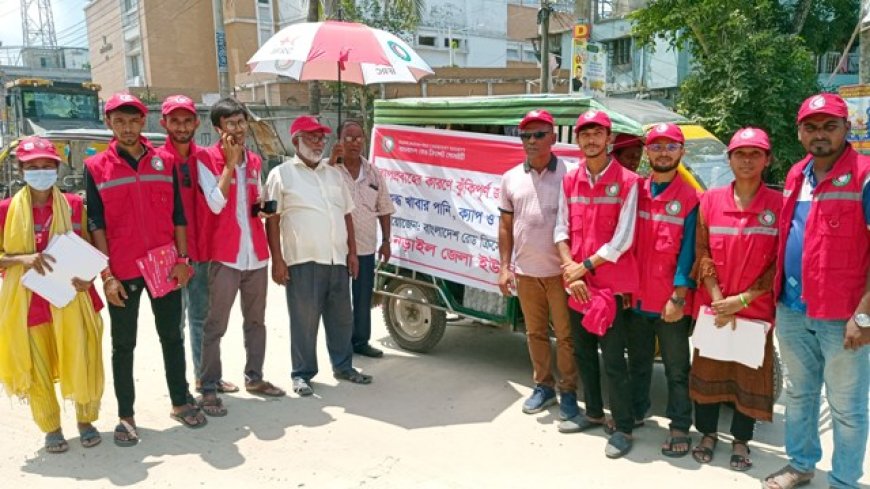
pixel 450 418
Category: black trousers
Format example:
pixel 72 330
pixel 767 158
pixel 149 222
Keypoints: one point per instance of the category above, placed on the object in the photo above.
pixel 707 421
pixel 676 357
pixel 125 322
pixel 613 345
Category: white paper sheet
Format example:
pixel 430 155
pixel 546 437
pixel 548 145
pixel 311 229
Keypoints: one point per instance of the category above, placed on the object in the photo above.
pixel 744 344
pixel 74 257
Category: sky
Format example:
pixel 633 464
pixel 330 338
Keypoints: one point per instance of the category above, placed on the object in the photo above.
pixel 69 22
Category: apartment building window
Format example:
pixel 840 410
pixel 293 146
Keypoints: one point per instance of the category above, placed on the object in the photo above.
pixel 426 41
pixel 619 51
pixel 129 4
pixel 134 65
pixel 513 54
pixel 265 21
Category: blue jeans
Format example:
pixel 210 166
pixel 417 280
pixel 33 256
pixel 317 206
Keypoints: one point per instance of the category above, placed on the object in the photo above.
pixel 813 354
pixel 194 301
pixel 361 291
pixel 316 291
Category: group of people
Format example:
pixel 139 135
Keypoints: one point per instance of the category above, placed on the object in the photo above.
pixel 615 262
pixel 208 205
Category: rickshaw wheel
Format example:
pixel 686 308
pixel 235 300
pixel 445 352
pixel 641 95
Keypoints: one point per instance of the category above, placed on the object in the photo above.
pixel 414 327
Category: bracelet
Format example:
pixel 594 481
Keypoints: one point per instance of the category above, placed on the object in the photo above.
pixel 743 300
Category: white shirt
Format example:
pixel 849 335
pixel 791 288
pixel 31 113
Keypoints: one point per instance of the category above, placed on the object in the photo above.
pixel 312 204
pixel 208 181
pixel 623 236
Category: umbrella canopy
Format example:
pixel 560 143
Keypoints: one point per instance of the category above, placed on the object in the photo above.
pixel 339 51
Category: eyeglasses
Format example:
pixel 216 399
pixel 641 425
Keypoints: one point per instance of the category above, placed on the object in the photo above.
pixel 664 147
pixel 236 125
pixel 353 139
pixel 525 136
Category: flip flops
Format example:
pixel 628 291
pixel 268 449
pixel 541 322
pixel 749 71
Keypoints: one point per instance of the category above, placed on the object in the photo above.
pixel 90 437
pixel 191 412
pixel 125 435
pixel 55 443
pixel 672 440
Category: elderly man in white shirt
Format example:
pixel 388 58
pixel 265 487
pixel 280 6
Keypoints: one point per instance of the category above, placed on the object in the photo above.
pixel 313 252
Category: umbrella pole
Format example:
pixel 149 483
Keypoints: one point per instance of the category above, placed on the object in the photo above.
pixel 338 129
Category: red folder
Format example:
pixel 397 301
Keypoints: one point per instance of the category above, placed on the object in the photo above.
pixel 156 266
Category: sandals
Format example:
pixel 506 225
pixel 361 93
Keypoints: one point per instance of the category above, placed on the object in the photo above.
pixel 668 449
pixel 223 387
pixel 610 425
pixel 125 434
pixel 211 405
pixel 263 388
pixel 787 477
pixel 354 376
pixel 704 454
pixel 740 463
pixel 90 437
pixel 55 442
pixel 191 413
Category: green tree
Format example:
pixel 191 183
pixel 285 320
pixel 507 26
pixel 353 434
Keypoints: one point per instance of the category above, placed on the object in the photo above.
pixel 749 68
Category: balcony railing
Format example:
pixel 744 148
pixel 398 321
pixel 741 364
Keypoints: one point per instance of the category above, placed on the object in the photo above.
pixel 832 62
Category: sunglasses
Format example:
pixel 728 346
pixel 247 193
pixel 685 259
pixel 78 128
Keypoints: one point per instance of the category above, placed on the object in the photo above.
pixel 664 147
pixel 525 136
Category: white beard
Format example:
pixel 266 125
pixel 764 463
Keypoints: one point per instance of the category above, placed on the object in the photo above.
pixel 309 153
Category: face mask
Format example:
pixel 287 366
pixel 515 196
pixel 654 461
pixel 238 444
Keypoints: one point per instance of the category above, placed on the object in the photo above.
pixel 40 179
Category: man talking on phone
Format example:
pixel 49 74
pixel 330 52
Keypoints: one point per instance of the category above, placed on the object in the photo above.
pixel 229 175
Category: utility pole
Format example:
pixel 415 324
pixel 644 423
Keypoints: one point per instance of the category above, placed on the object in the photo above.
pixel 544 21
pixel 583 11
pixel 864 49
pixel 220 42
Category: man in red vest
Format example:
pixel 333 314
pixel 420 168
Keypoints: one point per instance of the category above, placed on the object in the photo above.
pixel 823 291
pixel 230 178
pixel 181 122
pixel 134 206
pixel 594 233
pixel 665 250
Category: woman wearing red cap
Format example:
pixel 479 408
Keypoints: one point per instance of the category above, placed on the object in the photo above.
pixel 41 344
pixel 737 238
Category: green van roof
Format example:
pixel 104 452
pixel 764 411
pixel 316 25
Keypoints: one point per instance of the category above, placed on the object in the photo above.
pixel 499 110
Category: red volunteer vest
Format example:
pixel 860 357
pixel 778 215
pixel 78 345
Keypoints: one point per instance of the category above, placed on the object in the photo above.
pixel 593 215
pixel 836 251
pixel 137 205
pixel 224 232
pixel 191 194
pixel 743 245
pixel 660 227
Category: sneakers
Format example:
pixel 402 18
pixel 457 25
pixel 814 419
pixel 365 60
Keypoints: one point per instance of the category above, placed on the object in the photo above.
pixel 542 398
pixel 301 387
pixel 568 407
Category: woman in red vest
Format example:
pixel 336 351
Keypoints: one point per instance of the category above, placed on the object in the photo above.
pixel 41 344
pixel 737 237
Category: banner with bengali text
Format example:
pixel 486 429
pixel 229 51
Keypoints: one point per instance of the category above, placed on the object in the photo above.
pixel 446 186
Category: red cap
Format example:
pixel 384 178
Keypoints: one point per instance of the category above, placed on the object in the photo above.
pixel 173 102
pixel 824 103
pixel 537 115
pixel 307 123
pixel 623 140
pixel 592 116
pixel 752 137
pixel 121 99
pixel 599 312
pixel 35 147
pixel 666 130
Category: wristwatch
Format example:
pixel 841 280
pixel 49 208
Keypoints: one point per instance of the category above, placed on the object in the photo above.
pixel 182 259
pixel 862 320
pixel 587 264
pixel 678 301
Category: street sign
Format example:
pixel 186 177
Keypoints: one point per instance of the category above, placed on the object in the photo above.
pixel 582 31
pixel 220 40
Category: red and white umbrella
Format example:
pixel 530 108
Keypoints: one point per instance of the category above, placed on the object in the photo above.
pixel 339 51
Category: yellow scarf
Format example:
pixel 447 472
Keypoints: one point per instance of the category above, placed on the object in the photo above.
pixel 78 329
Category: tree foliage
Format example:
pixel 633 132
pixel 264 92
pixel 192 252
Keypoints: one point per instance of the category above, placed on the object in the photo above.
pixel 749 68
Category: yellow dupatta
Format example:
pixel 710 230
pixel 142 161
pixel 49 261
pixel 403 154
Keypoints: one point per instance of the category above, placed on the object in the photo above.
pixel 78 329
